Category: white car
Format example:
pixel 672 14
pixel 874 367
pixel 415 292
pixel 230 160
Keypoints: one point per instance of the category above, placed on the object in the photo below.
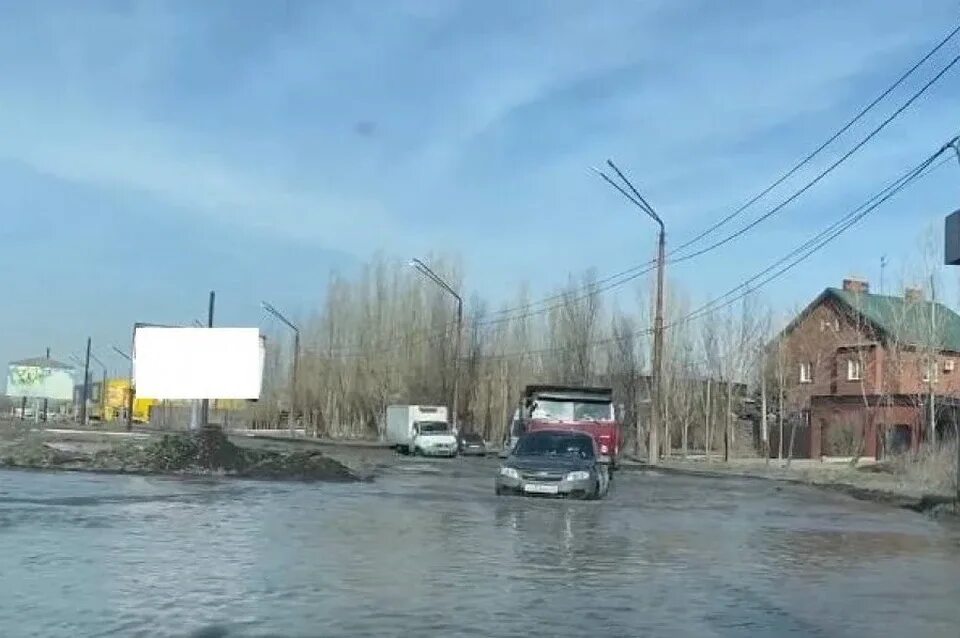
pixel 434 439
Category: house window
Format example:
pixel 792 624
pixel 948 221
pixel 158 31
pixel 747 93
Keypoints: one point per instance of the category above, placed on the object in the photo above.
pixel 826 325
pixel 926 373
pixel 806 373
pixel 854 370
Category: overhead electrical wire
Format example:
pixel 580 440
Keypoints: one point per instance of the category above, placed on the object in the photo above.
pixel 621 278
pixel 646 267
pixel 798 255
pixel 806 160
pixel 822 174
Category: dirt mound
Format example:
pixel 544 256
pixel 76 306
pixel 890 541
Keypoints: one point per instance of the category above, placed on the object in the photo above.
pixel 204 452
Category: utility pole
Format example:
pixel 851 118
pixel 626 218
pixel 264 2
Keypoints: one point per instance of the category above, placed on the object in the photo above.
pixel 296 363
pixel 425 270
pixel 656 382
pixel 205 405
pixel 764 432
pixel 45 399
pixel 86 386
pixel 932 370
pixel 707 420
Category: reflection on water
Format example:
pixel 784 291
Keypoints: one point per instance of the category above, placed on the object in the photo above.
pixel 428 549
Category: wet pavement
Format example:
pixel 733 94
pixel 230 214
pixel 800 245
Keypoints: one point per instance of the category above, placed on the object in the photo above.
pixel 427 549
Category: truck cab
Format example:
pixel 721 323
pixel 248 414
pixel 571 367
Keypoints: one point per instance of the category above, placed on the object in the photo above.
pixel 581 409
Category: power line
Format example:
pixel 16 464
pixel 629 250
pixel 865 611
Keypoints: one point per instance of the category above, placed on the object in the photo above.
pixel 619 279
pixel 786 202
pixel 798 255
pixel 641 269
pixel 807 249
pixel 823 173
pixel 823 238
pixel 843 129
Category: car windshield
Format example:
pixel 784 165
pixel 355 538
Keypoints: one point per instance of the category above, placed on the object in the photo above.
pixel 555 444
pixel 433 427
pixel 591 411
pixel 472 438
pixel 547 410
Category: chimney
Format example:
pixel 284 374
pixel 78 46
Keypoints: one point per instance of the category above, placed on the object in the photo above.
pixel 913 294
pixel 856 285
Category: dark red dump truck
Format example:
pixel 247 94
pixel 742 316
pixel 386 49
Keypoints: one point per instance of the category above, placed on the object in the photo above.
pixel 552 407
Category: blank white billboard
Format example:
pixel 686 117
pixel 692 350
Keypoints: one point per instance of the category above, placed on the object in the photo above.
pixel 197 363
pixel 39 382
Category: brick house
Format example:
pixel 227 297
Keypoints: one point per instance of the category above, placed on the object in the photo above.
pixel 858 371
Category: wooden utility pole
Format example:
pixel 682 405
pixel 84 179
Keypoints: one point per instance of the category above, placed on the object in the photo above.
pixel 932 370
pixel 707 416
pixel 764 431
pixel 454 418
pixel 657 400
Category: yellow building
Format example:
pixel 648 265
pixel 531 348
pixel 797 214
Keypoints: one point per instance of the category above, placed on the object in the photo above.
pixel 112 404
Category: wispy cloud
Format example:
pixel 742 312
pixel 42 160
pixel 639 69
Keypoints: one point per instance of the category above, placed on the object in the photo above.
pixel 461 126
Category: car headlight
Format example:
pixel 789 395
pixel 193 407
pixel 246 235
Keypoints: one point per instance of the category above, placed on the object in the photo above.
pixel 509 472
pixel 579 475
pixel 604 449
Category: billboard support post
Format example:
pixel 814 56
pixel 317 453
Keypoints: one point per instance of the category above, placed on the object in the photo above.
pixel 205 406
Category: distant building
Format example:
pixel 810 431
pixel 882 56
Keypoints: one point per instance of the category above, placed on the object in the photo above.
pixel 858 370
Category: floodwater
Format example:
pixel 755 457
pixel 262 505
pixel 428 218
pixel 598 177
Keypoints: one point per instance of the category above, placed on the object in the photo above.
pixel 428 550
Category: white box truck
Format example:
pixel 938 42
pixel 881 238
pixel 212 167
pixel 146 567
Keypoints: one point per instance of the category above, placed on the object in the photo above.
pixel 420 429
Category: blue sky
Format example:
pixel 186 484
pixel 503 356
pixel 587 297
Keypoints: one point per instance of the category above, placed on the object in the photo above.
pixel 154 151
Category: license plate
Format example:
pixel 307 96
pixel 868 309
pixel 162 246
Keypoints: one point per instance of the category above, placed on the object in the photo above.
pixel 540 488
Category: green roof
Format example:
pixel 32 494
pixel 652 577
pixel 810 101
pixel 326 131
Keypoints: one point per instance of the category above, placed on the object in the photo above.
pixel 906 321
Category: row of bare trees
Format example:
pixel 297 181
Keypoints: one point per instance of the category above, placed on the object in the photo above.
pixel 384 337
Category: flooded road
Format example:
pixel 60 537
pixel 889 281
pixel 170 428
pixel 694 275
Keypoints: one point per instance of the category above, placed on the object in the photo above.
pixel 428 550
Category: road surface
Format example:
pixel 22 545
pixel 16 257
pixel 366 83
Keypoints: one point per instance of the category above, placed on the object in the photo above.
pixel 428 550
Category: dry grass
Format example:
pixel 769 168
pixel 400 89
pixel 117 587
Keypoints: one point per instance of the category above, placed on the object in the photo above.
pixel 931 469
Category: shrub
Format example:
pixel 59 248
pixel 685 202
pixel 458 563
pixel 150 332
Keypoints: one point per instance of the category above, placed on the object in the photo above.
pixel 931 468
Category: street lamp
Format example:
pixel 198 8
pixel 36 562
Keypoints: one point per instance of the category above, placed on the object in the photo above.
pixel 85 363
pixel 130 390
pixel 425 270
pixel 103 385
pixel 296 358
pixel 637 199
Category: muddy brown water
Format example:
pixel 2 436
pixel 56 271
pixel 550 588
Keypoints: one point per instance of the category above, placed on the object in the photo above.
pixel 428 550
